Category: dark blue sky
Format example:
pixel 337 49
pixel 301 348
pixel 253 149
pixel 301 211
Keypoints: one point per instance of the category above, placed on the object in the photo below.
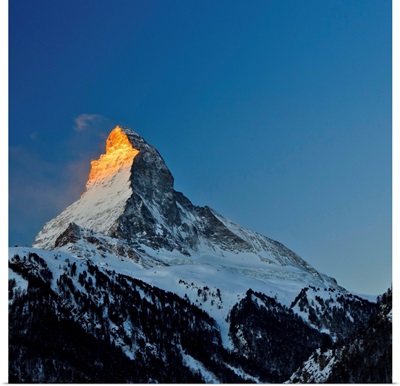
pixel 277 114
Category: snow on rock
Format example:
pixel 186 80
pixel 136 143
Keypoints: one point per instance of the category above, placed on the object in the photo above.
pixel 316 369
pixel 197 366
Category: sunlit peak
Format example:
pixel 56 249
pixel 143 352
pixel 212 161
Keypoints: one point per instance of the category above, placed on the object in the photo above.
pixel 119 156
pixel 117 140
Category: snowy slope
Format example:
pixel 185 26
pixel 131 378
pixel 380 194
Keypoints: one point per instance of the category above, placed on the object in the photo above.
pixel 66 272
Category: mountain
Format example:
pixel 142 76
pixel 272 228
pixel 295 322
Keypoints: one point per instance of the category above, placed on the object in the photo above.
pixel 173 292
pixel 364 357
pixel 130 197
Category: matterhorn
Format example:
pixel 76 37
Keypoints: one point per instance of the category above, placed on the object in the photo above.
pixel 133 283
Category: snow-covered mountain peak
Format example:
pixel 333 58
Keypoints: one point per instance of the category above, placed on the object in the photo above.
pixel 110 185
pixel 130 198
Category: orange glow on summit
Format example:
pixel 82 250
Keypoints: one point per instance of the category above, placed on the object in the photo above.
pixel 119 155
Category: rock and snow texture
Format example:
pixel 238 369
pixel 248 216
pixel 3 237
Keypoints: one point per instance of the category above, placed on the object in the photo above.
pixel 315 369
pixel 364 356
pixel 130 197
pixel 222 326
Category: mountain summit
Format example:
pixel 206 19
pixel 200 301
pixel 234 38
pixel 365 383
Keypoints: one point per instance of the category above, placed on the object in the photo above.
pixel 110 187
pixel 130 196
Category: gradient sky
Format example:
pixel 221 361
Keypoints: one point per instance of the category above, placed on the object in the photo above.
pixel 275 113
